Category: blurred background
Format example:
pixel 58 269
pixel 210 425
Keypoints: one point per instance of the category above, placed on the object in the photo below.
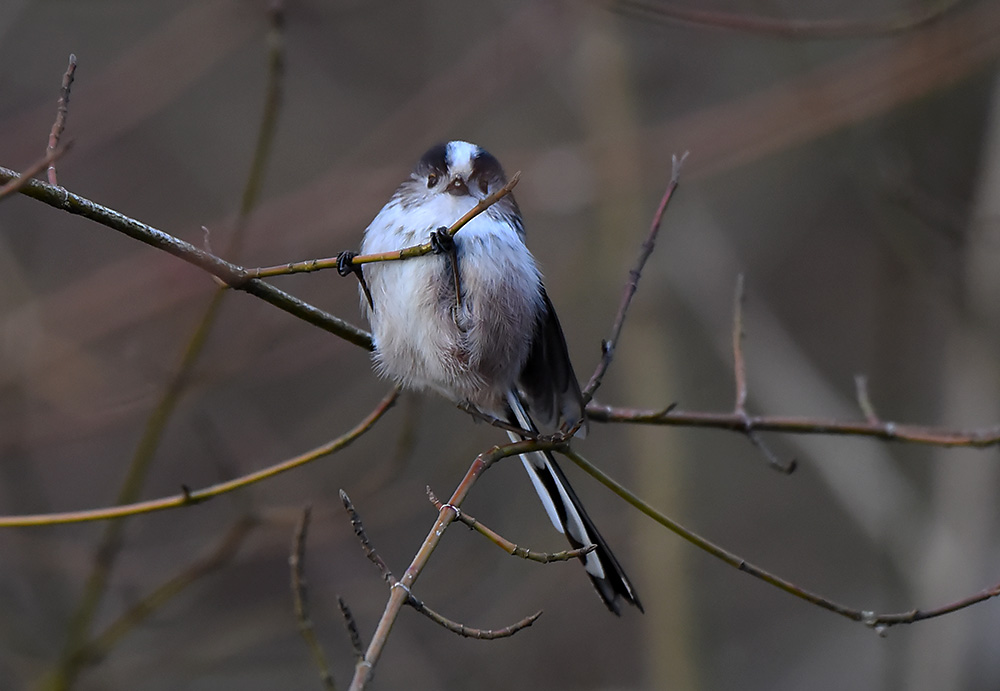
pixel 853 181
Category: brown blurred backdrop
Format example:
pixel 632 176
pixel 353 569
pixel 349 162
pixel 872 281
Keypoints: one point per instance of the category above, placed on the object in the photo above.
pixel 854 182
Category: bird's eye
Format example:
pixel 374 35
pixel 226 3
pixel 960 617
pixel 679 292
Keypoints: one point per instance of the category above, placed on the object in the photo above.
pixel 432 180
pixel 484 186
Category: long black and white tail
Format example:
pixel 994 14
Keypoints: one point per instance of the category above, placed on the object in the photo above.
pixel 569 517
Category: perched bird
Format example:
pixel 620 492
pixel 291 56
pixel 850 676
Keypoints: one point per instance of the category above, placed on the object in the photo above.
pixel 472 322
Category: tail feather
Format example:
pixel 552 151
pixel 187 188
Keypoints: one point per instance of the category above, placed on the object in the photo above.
pixel 569 517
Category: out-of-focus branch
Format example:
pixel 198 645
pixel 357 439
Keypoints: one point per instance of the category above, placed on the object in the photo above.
pixel 300 599
pixel 221 555
pixel 189 497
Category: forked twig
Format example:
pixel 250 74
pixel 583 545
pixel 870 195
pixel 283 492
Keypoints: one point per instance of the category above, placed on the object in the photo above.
pixel 410 599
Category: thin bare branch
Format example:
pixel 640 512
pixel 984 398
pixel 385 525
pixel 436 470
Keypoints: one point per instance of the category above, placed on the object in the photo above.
pixel 886 431
pixel 268 125
pixel 469 631
pixel 62 109
pixel 189 497
pixel 508 546
pixel 300 599
pixel 608 346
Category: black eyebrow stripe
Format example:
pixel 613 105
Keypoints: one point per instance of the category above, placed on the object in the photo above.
pixel 434 161
pixel 486 165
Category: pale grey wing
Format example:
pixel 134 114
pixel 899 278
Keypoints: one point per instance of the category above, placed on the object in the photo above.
pixel 548 380
pixel 569 517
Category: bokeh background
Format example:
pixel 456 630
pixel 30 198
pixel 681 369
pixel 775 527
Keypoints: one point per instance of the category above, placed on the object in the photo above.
pixel 853 181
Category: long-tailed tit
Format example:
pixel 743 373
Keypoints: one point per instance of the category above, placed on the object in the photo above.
pixel 484 334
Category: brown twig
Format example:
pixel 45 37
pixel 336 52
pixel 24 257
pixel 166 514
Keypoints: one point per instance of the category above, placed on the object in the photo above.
pixel 311 265
pixel 608 346
pixel 300 600
pixel 189 497
pixel 879 622
pixel 508 546
pixel 62 109
pixel 789 28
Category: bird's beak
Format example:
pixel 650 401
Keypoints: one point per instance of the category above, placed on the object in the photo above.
pixel 458 187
